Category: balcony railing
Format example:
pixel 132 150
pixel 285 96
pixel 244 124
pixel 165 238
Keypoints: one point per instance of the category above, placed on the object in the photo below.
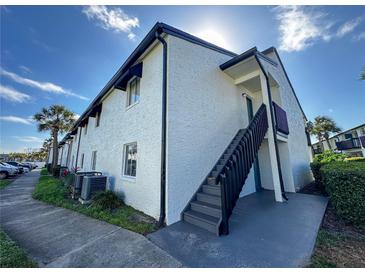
pixel 281 120
pixel 349 144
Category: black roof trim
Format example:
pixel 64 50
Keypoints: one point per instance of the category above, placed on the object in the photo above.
pixel 238 58
pixel 191 38
pixel 247 54
pixel 143 45
pixel 273 49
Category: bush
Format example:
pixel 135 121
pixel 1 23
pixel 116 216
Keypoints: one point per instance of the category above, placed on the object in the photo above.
pixel 315 167
pixel 329 156
pixel 345 184
pixel 56 171
pixel 107 200
pixel 355 159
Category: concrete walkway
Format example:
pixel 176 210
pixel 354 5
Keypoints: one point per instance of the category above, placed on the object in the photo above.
pixel 57 237
pixel 263 233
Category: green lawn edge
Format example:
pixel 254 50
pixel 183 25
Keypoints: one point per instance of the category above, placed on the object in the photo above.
pixel 12 256
pixel 53 191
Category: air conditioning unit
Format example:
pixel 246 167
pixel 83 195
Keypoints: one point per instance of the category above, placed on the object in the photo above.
pixel 91 185
pixel 77 186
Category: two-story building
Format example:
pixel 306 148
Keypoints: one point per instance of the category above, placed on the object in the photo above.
pixel 184 128
pixel 350 142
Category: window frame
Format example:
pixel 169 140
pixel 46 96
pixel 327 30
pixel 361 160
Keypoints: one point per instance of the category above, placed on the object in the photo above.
pixel 82 160
pixel 93 160
pixel 97 119
pixel 137 80
pixel 124 155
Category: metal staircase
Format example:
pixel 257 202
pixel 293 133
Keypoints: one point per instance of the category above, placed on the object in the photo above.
pixel 213 203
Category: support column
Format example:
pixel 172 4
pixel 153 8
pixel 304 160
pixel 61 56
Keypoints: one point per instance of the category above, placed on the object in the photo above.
pixel 271 142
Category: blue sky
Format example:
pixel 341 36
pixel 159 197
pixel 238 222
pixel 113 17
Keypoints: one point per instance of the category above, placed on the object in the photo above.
pixel 65 55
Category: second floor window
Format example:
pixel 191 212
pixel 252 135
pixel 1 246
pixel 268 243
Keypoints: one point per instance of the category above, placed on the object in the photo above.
pixel 97 119
pixel 93 160
pixel 82 160
pixel 133 92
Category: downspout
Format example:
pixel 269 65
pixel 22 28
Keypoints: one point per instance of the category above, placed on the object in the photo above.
pixel 274 129
pixel 78 148
pixel 161 220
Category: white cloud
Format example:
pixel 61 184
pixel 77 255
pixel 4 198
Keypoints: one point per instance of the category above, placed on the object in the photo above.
pixel 16 119
pixel 13 95
pixel 360 36
pixel 44 86
pixel 25 69
pixel 76 116
pixel 349 26
pixel 300 26
pixel 114 19
pixel 29 139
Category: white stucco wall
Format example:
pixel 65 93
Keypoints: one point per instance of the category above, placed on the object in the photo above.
pixel 205 111
pixel 119 125
pixel 297 140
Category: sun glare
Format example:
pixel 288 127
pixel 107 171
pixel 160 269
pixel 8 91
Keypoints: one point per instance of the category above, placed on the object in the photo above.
pixel 213 37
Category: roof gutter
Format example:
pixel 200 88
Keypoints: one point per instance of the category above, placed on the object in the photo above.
pixel 273 127
pixel 162 218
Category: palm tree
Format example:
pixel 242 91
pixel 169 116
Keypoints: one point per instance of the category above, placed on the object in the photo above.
pixel 322 127
pixel 56 119
pixel 46 148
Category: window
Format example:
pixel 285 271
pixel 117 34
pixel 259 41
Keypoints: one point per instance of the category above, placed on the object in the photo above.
pixel 133 92
pixel 85 129
pixel 348 135
pixel 93 160
pixel 82 160
pixel 130 160
pixel 97 119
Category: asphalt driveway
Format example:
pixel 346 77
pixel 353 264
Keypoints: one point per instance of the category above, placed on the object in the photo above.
pixel 57 237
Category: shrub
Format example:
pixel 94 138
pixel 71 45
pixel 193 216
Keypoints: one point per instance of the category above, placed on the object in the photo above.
pixel 345 184
pixel 315 167
pixel 56 171
pixel 355 159
pixel 107 200
pixel 329 156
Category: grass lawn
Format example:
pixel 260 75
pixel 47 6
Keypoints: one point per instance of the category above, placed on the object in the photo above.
pixel 52 190
pixel 338 244
pixel 6 182
pixel 11 255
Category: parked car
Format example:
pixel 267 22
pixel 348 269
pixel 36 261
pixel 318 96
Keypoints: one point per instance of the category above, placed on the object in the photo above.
pixel 26 169
pixel 7 170
pixel 18 165
pixel 30 164
pixel 10 166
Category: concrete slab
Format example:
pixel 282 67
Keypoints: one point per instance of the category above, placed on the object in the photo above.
pixel 57 237
pixel 263 233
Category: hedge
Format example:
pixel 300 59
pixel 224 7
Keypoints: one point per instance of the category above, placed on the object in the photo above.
pixel 345 184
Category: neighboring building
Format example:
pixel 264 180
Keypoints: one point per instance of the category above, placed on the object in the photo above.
pixel 351 142
pixel 167 126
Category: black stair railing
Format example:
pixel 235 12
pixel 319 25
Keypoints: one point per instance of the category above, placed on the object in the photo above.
pixel 233 174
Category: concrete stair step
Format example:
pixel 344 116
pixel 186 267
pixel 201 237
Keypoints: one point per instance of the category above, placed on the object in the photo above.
pixel 205 208
pixel 202 220
pixel 210 199
pixel 212 189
